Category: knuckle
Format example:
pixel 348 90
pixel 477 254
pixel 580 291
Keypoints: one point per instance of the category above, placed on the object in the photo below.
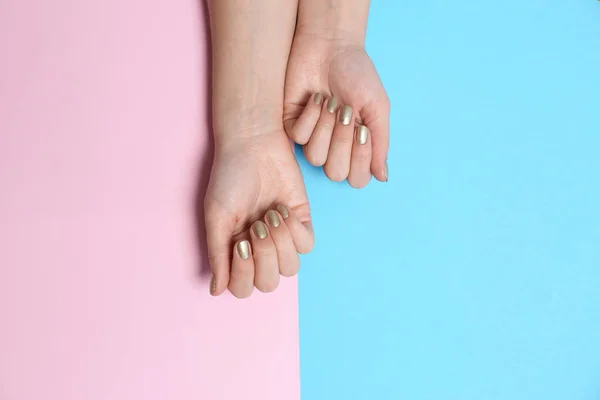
pixel 216 260
pixel 344 136
pixel 361 157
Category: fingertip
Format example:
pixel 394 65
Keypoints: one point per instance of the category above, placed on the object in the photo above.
pixel 380 171
pixel 317 98
pixel 241 283
pixel 220 275
pixel 241 295
pixel 314 158
pixel 283 211
pixel 333 173
pixel 213 285
pixel 385 172
pixel 219 228
pixel 360 184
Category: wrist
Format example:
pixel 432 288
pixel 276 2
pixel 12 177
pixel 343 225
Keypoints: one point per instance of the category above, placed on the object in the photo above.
pixel 336 20
pixel 232 126
pixel 245 102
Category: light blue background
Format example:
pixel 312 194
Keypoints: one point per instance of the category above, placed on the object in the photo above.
pixel 474 274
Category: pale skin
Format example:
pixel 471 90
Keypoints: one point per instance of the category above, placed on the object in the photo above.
pixel 256 207
pixel 335 104
pixel 254 169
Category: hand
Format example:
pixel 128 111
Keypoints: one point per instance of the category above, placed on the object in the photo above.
pixel 336 106
pixel 257 214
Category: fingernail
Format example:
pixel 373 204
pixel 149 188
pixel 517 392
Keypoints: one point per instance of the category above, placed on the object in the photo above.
pixel 318 98
pixel 213 284
pixel 346 115
pixel 243 249
pixel 273 218
pixel 362 134
pixel 283 211
pixel 385 172
pixel 332 104
pixel 260 229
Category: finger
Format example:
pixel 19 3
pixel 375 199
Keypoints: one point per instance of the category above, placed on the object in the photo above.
pixel 317 148
pixel 337 166
pixel 301 232
pixel 377 118
pixel 287 257
pixel 241 281
pixel 303 127
pixel 360 164
pixel 219 230
pixel 266 274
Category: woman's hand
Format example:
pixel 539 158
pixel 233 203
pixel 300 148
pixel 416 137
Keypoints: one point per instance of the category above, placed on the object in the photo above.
pixel 335 104
pixel 257 214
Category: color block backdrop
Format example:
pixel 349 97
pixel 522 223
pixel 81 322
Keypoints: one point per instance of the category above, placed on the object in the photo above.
pixel 103 154
pixel 474 274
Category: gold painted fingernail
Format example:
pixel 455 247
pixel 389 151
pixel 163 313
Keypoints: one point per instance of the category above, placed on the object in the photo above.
pixel 213 284
pixel 318 98
pixel 346 115
pixel 260 229
pixel 273 218
pixel 243 249
pixel 332 104
pixel 283 210
pixel 385 172
pixel 362 134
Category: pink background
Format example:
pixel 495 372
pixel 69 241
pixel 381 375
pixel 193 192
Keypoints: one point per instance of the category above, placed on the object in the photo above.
pixel 104 153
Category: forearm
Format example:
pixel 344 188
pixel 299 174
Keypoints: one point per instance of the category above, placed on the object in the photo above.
pixel 251 41
pixel 335 19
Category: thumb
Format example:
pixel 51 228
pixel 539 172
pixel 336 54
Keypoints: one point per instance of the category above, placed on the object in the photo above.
pixel 219 231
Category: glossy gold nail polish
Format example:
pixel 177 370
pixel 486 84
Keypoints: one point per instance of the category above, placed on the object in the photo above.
pixel 260 229
pixel 362 134
pixel 243 249
pixel 385 171
pixel 213 284
pixel 332 104
pixel 346 115
pixel 318 98
pixel 283 210
pixel 273 218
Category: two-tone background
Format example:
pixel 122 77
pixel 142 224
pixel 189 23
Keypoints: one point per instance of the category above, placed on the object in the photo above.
pixel 473 274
